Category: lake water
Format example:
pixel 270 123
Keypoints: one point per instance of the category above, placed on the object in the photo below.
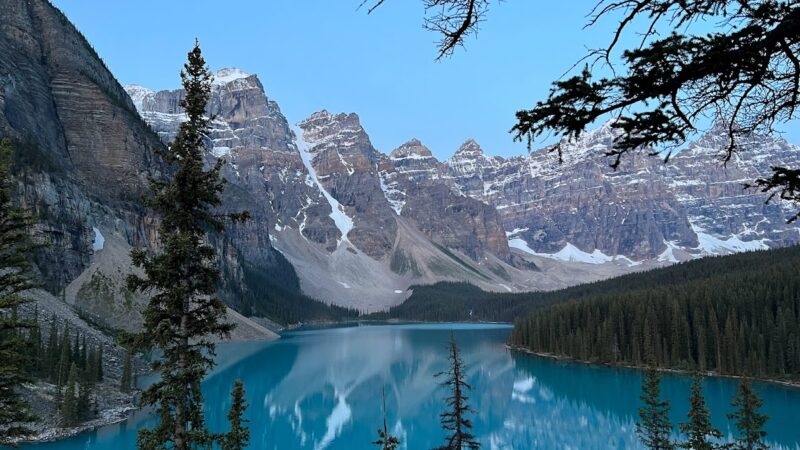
pixel 321 389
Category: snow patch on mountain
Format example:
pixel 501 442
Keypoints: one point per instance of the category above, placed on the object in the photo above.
pixel 228 74
pixel 714 245
pixel 571 253
pixel 343 222
pixel 99 240
pixel 668 255
pixel 394 196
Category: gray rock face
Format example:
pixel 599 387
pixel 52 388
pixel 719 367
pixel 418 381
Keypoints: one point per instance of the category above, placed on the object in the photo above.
pixel 83 159
pixel 645 211
pixel 265 172
pixel 324 180
pixel 84 154
pixel 324 183
pixel 439 210
pixel 346 166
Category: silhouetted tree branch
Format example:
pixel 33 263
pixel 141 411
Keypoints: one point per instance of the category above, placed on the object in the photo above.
pixel 454 20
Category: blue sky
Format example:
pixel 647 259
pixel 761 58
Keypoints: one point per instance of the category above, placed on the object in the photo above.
pixel 325 54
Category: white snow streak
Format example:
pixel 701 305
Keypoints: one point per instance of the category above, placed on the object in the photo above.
pixel 343 222
pixel 714 245
pixel 99 240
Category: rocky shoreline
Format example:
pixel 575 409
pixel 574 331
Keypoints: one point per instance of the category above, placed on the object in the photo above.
pixel 113 406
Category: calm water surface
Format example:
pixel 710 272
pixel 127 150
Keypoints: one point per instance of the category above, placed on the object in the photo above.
pixel 321 389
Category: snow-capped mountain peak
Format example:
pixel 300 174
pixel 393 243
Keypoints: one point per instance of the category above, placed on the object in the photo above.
pixel 229 74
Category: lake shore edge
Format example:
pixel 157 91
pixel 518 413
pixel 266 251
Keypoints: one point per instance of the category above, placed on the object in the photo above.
pixel 785 383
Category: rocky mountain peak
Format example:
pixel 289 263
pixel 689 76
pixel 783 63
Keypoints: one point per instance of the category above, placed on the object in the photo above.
pixel 414 149
pixel 323 126
pixel 229 74
pixel 469 150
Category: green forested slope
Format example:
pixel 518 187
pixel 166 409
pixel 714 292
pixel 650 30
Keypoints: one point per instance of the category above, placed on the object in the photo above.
pixel 737 314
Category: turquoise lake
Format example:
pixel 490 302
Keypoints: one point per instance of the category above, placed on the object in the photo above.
pixel 321 389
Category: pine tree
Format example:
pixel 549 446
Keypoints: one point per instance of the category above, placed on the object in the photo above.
pixel 34 346
pixel 15 253
pixel 654 428
pixel 98 369
pixel 386 441
pixel 83 399
pixel 454 420
pixel 125 380
pixel 238 437
pixel 53 353
pixel 699 430
pixel 91 365
pixel 65 359
pixel 749 421
pixel 69 404
pixel 184 312
pixel 83 353
pixel 76 350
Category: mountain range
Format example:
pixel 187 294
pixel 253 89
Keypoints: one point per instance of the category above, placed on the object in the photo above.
pixel 349 224
pixel 361 226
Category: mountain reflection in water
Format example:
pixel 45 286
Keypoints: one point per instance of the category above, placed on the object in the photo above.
pixel 321 389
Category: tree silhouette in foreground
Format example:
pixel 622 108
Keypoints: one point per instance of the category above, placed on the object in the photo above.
pixel 183 312
pixel 238 437
pixel 745 73
pixel 15 252
pixel 749 421
pixel 386 441
pixel 454 420
pixel 700 433
pixel 654 428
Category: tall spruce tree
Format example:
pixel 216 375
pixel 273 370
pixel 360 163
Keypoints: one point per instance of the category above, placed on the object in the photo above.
pixel 749 421
pixel 386 441
pixel 65 359
pixel 654 428
pixel 15 252
pixel 454 420
pixel 52 352
pixel 238 437
pixel 700 433
pixel 83 399
pixel 125 379
pixel 183 312
pixel 69 403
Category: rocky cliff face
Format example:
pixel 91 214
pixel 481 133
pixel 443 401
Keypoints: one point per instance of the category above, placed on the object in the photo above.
pixel 643 212
pixel 83 157
pixel 83 153
pixel 443 213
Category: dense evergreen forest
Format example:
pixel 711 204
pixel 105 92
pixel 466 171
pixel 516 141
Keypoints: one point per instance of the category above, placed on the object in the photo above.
pixel 736 315
pixel 65 359
pixel 462 302
pixel 276 294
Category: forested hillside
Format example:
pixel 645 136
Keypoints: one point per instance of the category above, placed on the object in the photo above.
pixel 461 301
pixel 737 314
